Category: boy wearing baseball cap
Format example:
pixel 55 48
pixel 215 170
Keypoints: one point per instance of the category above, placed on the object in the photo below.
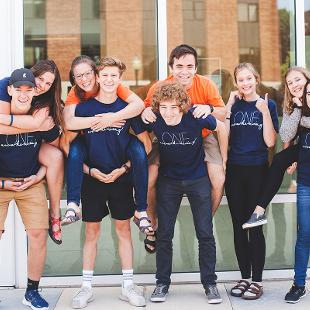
pixel 21 180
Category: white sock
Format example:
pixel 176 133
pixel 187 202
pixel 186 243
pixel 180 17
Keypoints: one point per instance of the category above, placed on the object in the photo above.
pixel 127 277
pixel 87 277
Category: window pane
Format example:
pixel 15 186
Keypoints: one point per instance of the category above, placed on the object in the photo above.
pixel 96 28
pixel 253 16
pixel 63 29
pixel 261 32
pixel 243 12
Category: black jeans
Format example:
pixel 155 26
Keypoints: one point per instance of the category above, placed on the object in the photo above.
pixel 281 161
pixel 243 186
pixel 169 196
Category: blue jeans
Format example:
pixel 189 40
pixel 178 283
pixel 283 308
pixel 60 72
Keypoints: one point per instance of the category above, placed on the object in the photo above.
pixel 302 247
pixel 169 195
pixel 139 171
pixel 74 169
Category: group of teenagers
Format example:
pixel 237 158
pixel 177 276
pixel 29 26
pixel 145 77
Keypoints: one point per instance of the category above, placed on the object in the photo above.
pixel 136 160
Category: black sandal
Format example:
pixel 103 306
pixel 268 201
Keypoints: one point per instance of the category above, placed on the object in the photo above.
pixel 242 286
pixel 150 245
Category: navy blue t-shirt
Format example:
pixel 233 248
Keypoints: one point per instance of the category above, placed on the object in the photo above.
pixel 107 148
pixel 246 141
pixel 180 146
pixel 4 96
pixel 303 164
pixel 19 153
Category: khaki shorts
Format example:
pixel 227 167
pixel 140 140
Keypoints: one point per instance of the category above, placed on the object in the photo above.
pixel 31 203
pixel 212 149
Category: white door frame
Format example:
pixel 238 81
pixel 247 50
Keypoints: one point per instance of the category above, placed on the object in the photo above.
pixel 13 243
pixel 7 252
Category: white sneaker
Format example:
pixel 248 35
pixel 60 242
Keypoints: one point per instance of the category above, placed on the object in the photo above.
pixel 134 295
pixel 82 298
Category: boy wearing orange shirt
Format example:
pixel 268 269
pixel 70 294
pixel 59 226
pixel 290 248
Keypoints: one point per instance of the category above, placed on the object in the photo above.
pixel 183 62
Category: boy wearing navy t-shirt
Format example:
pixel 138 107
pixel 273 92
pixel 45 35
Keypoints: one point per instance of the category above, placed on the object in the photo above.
pixel 182 171
pixel 21 180
pixel 106 185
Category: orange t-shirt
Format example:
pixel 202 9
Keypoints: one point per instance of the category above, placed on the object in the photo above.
pixel 122 92
pixel 202 91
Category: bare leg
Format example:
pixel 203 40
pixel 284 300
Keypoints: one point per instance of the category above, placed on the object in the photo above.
pixel 36 252
pixel 52 158
pixel 92 234
pixel 125 248
pixel 217 178
pixel 151 195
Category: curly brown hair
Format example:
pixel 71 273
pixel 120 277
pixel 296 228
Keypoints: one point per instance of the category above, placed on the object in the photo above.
pixel 171 91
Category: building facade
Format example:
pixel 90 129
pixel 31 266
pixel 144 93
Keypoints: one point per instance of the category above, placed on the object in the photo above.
pixel 271 34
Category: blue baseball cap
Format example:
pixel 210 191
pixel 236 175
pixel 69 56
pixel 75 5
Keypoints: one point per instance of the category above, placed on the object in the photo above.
pixel 21 77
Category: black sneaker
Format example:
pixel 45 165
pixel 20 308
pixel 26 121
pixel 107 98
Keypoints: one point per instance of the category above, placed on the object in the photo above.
pixel 295 293
pixel 255 220
pixel 160 293
pixel 213 294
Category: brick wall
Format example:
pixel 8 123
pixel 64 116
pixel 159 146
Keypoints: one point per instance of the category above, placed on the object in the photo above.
pixel 63 33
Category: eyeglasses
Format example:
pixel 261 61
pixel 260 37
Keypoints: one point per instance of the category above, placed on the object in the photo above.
pixel 80 76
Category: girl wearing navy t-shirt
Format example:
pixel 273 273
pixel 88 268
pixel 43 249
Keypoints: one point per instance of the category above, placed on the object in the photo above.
pixel 302 246
pixel 253 125
pixel 295 80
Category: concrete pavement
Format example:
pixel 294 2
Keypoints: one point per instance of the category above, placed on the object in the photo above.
pixel 181 297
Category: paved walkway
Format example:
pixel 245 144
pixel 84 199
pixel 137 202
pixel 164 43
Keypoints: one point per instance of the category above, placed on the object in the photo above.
pixel 181 297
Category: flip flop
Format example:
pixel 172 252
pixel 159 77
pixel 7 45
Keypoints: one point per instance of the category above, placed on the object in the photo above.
pixel 70 219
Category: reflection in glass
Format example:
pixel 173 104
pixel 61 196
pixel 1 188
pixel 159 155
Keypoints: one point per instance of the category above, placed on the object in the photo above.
pixel 123 29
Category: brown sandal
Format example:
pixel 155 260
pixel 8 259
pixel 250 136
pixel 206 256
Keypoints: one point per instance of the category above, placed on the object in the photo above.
pixel 255 289
pixel 242 286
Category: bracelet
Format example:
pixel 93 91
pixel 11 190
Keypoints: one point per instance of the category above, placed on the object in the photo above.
pixel 211 108
pixel 11 121
pixel 89 171
pixel 2 184
pixel 126 168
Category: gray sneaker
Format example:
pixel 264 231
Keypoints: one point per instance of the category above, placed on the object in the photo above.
pixel 255 220
pixel 213 294
pixel 82 298
pixel 160 293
